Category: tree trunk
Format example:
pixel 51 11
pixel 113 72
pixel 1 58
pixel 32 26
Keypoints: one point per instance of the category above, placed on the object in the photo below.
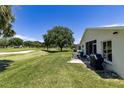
pixel 47 48
pixel 61 49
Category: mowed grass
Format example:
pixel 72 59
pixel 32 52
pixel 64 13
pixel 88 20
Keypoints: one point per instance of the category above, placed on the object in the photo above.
pixel 14 49
pixel 40 69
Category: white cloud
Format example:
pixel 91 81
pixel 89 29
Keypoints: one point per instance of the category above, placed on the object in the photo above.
pixel 77 41
pixel 25 38
pixel 112 25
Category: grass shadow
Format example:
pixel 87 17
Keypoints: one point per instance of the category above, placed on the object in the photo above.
pixel 55 51
pixel 4 64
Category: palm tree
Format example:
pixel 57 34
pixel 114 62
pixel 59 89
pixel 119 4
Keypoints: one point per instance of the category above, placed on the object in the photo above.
pixel 6 17
pixel 9 32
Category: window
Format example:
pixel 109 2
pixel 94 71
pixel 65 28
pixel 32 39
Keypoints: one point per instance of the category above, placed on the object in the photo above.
pixel 107 51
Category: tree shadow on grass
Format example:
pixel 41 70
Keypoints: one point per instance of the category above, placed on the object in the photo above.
pixel 54 51
pixel 4 64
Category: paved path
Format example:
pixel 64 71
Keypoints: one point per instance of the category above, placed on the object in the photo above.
pixel 19 52
pixel 75 61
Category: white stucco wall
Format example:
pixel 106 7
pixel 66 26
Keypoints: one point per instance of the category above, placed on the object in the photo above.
pixel 117 46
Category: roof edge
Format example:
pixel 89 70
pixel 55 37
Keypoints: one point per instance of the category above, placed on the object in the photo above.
pixel 100 28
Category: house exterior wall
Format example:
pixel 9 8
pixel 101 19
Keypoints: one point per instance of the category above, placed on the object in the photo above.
pixel 117 64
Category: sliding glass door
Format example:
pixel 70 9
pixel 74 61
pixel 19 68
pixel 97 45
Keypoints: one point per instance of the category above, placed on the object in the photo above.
pixel 91 47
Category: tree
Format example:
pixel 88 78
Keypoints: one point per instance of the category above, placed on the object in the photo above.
pixel 15 42
pixel 46 40
pixel 27 43
pixel 37 44
pixel 6 17
pixel 59 36
pixel 4 42
pixel 9 32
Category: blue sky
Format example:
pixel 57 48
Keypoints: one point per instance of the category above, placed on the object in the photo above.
pixel 34 21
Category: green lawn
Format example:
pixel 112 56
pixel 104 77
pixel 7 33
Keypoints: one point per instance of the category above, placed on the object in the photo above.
pixel 41 69
pixel 14 49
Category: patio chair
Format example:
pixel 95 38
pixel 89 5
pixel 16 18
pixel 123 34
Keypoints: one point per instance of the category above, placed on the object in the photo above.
pixel 96 61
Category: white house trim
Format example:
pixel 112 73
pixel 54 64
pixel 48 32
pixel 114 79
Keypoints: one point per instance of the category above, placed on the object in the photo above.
pixel 102 34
